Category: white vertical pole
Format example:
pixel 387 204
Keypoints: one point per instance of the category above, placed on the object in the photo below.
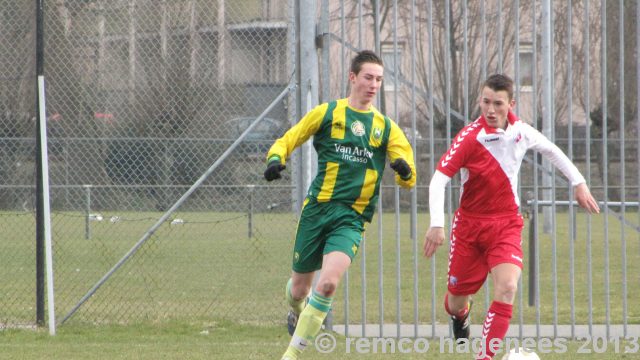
pixel 547 105
pixel 46 206
pixel 308 83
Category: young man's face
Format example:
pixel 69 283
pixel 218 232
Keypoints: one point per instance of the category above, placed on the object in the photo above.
pixel 366 84
pixel 495 105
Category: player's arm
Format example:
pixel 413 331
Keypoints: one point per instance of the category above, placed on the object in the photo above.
pixel 448 165
pixel 558 158
pixel 435 235
pixel 294 137
pixel 400 154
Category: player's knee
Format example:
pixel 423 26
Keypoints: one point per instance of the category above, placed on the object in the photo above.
pixel 327 288
pixel 506 291
pixel 300 292
pixel 455 304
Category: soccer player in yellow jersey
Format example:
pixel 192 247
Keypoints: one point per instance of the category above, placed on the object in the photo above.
pixel 353 141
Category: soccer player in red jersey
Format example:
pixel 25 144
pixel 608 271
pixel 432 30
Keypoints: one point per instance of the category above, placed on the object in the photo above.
pixel 486 228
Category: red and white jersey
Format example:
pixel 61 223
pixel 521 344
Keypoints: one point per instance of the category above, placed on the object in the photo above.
pixel 489 160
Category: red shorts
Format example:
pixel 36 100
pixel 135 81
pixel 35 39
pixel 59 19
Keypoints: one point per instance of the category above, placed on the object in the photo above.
pixel 477 245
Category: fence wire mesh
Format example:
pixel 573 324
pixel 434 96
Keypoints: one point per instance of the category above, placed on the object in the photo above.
pixel 142 97
pixel 17 148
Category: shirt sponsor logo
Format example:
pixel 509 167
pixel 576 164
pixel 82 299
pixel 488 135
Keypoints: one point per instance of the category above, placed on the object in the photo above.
pixel 357 128
pixel 354 154
pixel 491 140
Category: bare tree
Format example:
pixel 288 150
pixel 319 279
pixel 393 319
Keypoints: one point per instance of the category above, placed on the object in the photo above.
pixel 442 50
pixel 621 55
pixel 585 41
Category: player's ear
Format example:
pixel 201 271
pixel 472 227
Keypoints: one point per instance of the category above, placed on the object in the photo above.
pixel 479 99
pixel 512 103
pixel 352 76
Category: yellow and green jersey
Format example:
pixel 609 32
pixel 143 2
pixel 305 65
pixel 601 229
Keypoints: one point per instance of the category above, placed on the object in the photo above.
pixel 352 147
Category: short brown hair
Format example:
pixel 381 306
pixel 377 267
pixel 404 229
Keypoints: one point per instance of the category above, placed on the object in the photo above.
pixel 364 56
pixel 500 82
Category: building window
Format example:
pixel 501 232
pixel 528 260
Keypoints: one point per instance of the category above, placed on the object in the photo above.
pixel 525 56
pixel 388 60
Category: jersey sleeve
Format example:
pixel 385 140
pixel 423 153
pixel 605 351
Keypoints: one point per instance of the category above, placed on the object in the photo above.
pixel 298 134
pixel 437 187
pixel 454 159
pixel 399 148
pixel 540 143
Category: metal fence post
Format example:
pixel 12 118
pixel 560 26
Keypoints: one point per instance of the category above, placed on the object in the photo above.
pixel 532 254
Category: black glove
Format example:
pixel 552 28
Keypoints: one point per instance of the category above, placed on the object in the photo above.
pixel 273 170
pixel 402 168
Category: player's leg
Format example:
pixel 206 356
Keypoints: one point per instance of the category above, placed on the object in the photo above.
pixel 505 259
pixel 307 258
pixel 467 271
pixel 297 294
pixel 340 247
pixel 310 321
pixel 456 304
pixel 459 308
pixel 298 289
pixel 505 284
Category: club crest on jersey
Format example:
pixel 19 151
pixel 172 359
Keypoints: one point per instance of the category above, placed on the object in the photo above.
pixel 377 133
pixel 357 128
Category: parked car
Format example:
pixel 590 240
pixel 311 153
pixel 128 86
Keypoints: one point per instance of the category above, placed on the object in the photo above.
pixel 251 153
pixel 258 141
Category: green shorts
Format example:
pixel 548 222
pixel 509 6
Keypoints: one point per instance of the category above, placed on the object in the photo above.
pixel 323 228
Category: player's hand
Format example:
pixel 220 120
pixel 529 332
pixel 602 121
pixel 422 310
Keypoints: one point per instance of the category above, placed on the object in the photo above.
pixel 432 240
pixel 273 170
pixel 585 199
pixel 402 168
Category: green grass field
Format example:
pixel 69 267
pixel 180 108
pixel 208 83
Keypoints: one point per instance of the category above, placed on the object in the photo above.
pixel 222 340
pixel 204 289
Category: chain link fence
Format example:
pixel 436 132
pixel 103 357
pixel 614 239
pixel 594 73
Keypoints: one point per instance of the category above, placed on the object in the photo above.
pixel 142 97
pixel 17 151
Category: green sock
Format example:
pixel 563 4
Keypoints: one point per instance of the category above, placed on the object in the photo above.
pixel 296 305
pixel 309 325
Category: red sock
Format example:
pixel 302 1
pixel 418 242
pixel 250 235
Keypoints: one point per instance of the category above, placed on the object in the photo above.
pixel 495 326
pixel 460 314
